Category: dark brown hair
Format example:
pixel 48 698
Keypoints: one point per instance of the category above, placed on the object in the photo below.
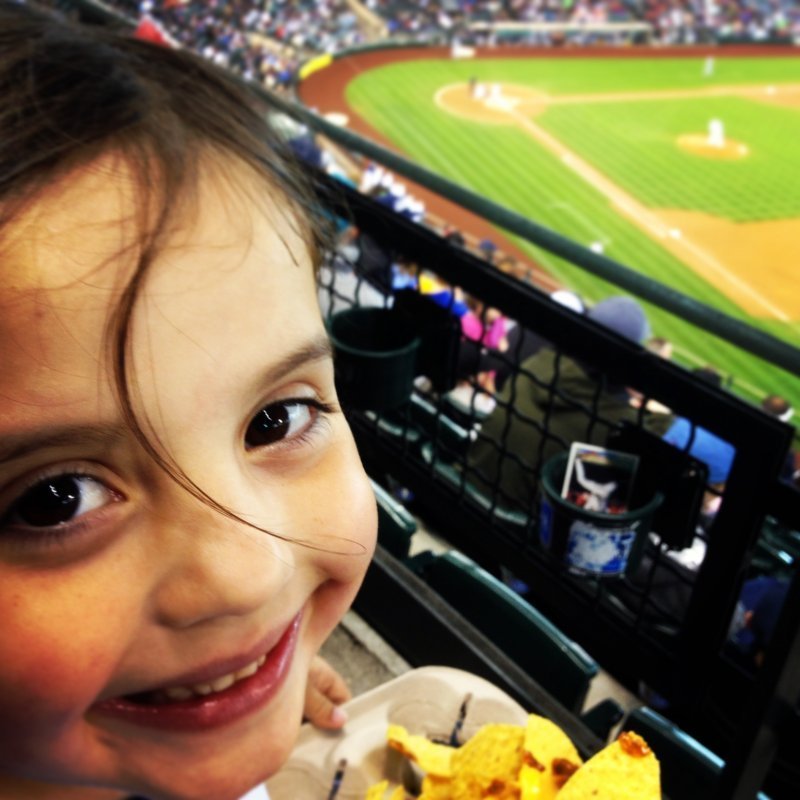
pixel 71 92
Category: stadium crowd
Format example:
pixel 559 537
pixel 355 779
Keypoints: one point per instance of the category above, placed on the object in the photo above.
pixel 267 40
pixel 673 21
pixel 262 41
pixel 689 21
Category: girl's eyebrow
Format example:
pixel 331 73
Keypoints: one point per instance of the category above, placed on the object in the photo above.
pixel 16 445
pixel 316 349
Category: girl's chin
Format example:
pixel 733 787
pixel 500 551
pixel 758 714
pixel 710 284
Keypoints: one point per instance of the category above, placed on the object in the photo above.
pixel 229 780
pixel 224 790
pixel 222 763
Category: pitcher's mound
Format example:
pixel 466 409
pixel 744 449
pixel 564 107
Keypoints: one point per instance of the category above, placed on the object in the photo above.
pixel 699 145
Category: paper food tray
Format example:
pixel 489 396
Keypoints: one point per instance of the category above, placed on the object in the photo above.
pixel 426 701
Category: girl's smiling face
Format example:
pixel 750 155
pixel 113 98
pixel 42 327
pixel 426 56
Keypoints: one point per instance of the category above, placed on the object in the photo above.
pixel 126 599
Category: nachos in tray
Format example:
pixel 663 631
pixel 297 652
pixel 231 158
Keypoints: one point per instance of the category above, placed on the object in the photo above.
pixel 535 762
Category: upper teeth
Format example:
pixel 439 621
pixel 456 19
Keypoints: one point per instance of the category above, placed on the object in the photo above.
pixel 217 685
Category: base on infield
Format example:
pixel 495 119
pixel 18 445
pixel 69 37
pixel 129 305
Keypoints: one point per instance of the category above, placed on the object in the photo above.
pixel 498 103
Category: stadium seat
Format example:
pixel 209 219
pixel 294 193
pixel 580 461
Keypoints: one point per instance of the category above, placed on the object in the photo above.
pixel 396 525
pixel 452 475
pixel 777 549
pixel 563 668
pixel 689 770
pixel 420 421
pixel 394 425
pixel 450 438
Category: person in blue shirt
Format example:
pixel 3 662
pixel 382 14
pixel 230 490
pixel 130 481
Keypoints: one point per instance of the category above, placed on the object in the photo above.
pixel 703 445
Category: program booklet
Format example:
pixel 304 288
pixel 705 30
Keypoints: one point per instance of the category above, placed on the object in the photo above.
pixel 598 479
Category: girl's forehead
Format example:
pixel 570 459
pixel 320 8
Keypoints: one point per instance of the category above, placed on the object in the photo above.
pixel 67 233
pixel 90 226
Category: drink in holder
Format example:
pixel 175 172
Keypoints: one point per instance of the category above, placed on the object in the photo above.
pixel 587 517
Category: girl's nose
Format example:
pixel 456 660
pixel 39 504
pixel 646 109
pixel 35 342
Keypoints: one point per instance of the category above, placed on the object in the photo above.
pixel 213 567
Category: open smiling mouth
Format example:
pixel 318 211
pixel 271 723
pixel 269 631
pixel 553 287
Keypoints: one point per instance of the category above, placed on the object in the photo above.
pixel 212 703
pixel 197 690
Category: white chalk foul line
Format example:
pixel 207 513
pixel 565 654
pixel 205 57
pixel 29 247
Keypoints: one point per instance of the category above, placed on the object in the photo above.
pixel 736 90
pixel 641 215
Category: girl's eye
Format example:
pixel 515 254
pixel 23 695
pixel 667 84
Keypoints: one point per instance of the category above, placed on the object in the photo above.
pixel 59 500
pixel 283 420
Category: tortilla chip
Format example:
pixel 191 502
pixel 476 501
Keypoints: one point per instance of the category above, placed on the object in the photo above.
pixel 433 758
pixel 478 787
pixel 488 764
pixel 376 791
pixel 550 758
pixel 530 782
pixel 625 770
pixel 434 788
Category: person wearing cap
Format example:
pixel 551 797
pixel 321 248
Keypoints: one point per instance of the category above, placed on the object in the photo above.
pixel 569 299
pixel 779 407
pixel 532 422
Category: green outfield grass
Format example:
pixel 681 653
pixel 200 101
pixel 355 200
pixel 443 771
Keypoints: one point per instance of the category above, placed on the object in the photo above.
pixel 632 143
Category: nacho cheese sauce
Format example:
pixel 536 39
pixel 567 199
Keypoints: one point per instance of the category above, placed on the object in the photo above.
pixel 563 769
pixel 633 744
pixel 530 760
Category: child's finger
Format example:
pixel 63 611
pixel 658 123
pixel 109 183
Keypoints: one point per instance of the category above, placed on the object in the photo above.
pixel 320 711
pixel 328 681
pixel 326 689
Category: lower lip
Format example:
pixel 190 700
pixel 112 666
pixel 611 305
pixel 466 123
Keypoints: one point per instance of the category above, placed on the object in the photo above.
pixel 220 708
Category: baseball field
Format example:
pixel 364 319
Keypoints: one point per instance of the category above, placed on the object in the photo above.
pixel 685 168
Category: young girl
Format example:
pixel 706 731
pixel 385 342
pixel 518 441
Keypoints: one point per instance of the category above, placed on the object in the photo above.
pixel 183 514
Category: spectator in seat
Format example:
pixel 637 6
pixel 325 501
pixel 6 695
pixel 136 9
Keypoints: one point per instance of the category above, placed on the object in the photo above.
pixel 533 421
pixel 484 331
pixel 756 617
pixel 716 453
pixel 779 407
pixel 520 343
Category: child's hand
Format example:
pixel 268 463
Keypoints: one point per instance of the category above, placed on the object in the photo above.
pixel 325 690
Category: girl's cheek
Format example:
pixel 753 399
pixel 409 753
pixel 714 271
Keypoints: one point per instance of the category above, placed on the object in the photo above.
pixel 355 522
pixel 61 671
pixel 345 511
pixel 44 695
pixel 331 506
pixel 57 650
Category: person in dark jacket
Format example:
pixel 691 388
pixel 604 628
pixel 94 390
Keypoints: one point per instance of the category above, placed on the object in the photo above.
pixel 532 422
